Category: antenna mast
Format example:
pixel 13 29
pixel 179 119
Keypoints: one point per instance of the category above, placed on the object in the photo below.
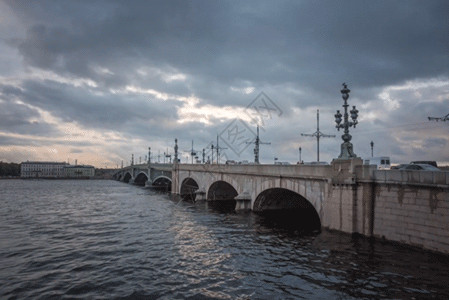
pixel 193 152
pixel 218 151
pixel 257 143
pixel 318 134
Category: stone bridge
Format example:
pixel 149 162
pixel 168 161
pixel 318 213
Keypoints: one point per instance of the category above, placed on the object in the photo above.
pixel 400 205
pixel 257 187
pixel 150 175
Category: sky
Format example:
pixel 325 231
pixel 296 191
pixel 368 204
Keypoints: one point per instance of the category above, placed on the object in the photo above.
pixel 98 81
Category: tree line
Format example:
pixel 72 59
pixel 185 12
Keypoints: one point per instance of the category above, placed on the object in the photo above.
pixel 9 169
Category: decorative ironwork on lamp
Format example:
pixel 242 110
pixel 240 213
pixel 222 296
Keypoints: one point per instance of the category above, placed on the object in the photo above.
pixel 346 147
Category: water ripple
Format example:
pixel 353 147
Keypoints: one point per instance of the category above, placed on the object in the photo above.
pixel 105 240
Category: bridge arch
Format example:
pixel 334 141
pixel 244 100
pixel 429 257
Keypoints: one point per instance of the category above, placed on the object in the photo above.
pixel 162 182
pixel 141 178
pixel 188 188
pixel 127 177
pixel 221 190
pixel 295 209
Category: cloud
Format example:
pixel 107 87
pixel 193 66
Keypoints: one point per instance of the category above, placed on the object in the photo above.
pixel 142 73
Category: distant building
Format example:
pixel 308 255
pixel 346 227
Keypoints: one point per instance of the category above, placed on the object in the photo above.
pixel 43 169
pixel 36 169
pixel 79 171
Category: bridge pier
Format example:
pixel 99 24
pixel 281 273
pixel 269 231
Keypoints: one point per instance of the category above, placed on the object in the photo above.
pixel 200 195
pixel 148 183
pixel 243 201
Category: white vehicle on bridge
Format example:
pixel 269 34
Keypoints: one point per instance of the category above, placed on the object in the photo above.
pixel 382 162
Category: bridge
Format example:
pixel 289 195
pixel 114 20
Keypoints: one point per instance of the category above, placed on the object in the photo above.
pixel 150 175
pixel 400 205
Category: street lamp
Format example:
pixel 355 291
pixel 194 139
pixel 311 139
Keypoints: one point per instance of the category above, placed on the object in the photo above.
pixel 346 147
pixel 299 154
pixel 176 151
pixel 372 145
pixel 212 147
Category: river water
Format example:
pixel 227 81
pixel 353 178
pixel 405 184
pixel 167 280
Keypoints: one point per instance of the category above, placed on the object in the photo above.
pixel 98 239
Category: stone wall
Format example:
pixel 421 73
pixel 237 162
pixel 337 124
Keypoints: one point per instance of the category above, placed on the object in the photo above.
pixel 338 208
pixel 341 202
pixel 413 208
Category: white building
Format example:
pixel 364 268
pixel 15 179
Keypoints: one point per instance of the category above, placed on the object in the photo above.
pixel 36 169
pixel 79 171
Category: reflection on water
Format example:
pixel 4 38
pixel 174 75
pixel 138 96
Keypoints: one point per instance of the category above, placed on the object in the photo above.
pixel 105 239
pixel 222 206
pixel 291 221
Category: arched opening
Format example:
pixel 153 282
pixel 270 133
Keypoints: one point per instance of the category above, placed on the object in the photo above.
pixel 287 209
pixel 141 179
pixel 221 190
pixel 162 183
pixel 127 177
pixel 188 189
pixel 221 196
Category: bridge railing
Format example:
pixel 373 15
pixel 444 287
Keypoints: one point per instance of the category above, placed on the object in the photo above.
pixel 322 171
pixel 370 173
pixel 143 166
pixel 139 166
pixel 411 176
pixel 165 167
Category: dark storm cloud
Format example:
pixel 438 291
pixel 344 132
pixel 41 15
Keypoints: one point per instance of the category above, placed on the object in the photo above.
pixel 298 53
pixel 107 111
pixel 13 141
pixel 36 142
pixel 312 44
pixel 18 118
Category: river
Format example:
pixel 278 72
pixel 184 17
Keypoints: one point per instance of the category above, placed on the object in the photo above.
pixel 99 239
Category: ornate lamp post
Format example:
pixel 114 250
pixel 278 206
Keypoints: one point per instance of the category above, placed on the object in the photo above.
pixel 176 151
pixel 212 147
pixel 346 147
